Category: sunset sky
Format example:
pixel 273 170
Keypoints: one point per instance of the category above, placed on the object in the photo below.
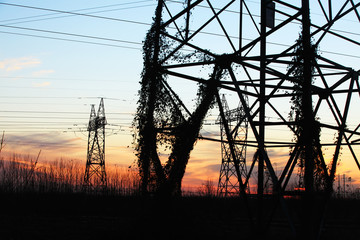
pixel 54 65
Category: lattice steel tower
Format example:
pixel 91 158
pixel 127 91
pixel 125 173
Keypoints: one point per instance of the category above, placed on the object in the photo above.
pixel 95 175
pixel 289 54
pixel 234 131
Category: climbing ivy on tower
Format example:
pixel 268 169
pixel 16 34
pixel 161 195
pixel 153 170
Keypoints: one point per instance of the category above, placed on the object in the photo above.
pixel 297 113
pixel 159 120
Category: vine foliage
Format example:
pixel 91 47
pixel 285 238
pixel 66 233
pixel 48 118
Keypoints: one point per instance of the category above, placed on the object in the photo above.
pixel 297 115
pixel 159 120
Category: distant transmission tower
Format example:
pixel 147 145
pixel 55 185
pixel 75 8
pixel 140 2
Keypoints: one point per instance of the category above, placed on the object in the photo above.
pixel 234 129
pixel 95 175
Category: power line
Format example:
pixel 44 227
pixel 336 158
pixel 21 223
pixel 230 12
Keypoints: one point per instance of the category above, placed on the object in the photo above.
pixel 52 97
pixel 138 43
pixel 58 128
pixel 69 40
pixel 18 142
pixel 37 103
pixel 78 14
pixel 139 49
pixel 67 144
pixel 42 103
pixel 50 18
pixel 56 112
pixel 58 88
pixel 66 79
pixel 142 23
pixel 79 10
pixel 123 41
pixel 48 122
pixel 52 117
pixel 72 34
pixel 131 21
pixel 27 123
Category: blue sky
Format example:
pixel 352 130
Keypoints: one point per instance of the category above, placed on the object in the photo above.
pixel 46 81
pixel 49 84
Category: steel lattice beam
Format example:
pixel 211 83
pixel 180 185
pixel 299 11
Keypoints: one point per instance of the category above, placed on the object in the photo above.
pixel 258 68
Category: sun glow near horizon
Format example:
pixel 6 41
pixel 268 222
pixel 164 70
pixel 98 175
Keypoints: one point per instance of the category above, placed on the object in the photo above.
pixel 49 84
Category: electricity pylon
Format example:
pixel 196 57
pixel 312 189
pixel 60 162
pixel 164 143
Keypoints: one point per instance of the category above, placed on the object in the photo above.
pixel 233 128
pixel 95 175
pixel 256 52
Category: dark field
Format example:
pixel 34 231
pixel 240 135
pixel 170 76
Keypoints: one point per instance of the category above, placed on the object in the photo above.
pixel 71 216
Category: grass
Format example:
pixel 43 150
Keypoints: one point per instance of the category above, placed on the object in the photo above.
pixel 50 204
pixel 18 175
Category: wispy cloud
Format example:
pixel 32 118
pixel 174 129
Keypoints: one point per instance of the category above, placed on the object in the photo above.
pixel 42 84
pixel 42 73
pixel 45 141
pixel 16 64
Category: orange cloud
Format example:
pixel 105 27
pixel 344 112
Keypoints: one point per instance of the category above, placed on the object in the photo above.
pixel 15 64
pixel 42 84
pixel 204 164
pixel 53 145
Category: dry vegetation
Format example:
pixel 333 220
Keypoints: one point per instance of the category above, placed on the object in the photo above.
pixel 49 203
pixel 19 174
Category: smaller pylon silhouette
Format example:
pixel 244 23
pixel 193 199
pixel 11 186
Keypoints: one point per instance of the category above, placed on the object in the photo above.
pixel 95 174
pixel 233 150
